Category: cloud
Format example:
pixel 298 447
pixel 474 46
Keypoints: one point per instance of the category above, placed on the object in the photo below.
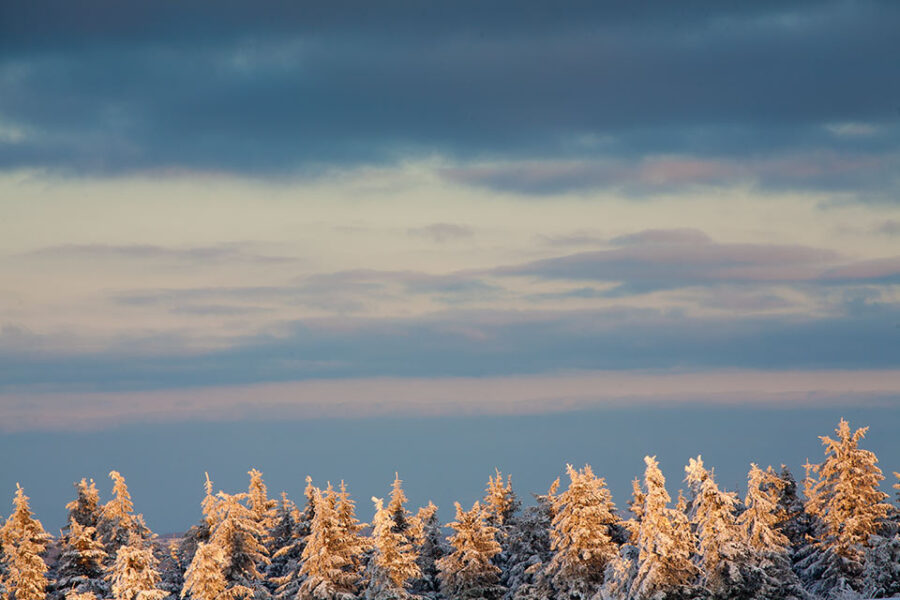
pixel 442 232
pixel 230 252
pixel 889 228
pixel 448 397
pixel 572 99
pixel 662 236
pixel 469 343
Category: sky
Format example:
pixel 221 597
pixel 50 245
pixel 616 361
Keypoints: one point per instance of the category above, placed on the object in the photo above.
pixel 311 238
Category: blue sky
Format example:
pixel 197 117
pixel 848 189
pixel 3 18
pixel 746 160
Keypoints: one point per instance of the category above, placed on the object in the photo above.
pixel 215 214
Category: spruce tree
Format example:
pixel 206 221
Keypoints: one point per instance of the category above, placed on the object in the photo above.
pixel 397 507
pixel 847 500
pixel 500 500
pixel 724 558
pixel 393 562
pixel 580 535
pixel 665 545
pixel 285 571
pixel 261 506
pixel 331 560
pixel 80 566
pixel 205 577
pixel 24 541
pixel 430 547
pixel 529 549
pixel 118 523
pixel 134 575
pixel 240 537
pixel 85 508
pixel 468 571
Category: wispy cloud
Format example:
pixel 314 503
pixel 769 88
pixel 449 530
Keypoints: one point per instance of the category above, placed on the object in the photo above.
pixel 442 232
pixel 231 252
pixel 449 397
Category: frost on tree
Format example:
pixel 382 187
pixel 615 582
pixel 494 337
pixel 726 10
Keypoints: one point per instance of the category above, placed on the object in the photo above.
pixel 468 572
pixel 205 579
pixel 134 575
pixel 240 538
pixel 118 522
pixel 85 508
pixel 770 549
pixel 284 572
pixel 282 537
pixel 198 534
pixel 500 500
pixel 725 562
pixel 430 547
pixel 80 566
pixel 261 506
pixel 397 507
pixel 529 550
pixel 664 547
pixel 24 541
pixel 332 558
pixel 580 535
pixel 846 499
pixel 393 563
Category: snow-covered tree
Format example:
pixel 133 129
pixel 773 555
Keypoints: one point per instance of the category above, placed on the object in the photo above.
pixel 725 561
pixel 665 546
pixel 85 508
pixel 467 572
pixel 331 560
pixel 529 550
pixel 80 566
pixel 205 577
pixel 262 507
pixel 393 563
pixel 284 572
pixel 240 537
pixel 118 523
pixel 24 540
pixel 846 499
pixel 500 501
pixel 397 507
pixel 793 520
pixel 134 575
pixel 430 547
pixel 580 535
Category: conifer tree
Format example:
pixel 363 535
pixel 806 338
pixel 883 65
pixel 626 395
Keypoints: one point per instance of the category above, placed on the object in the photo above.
pixel 24 541
pixel 285 571
pixel 281 538
pixel 80 564
pixel 261 506
pixel 725 562
pixel 85 508
pixel 332 556
pixel 850 506
pixel 393 563
pixel 397 507
pixel 118 523
pixel 205 578
pixel 529 550
pixel 665 545
pixel 240 538
pixel 580 535
pixel 500 500
pixel 134 575
pixel 430 547
pixel 467 572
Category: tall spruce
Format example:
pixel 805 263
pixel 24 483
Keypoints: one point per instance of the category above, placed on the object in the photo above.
pixel 468 571
pixel 134 574
pixel 581 535
pixel 846 498
pixel 330 568
pixel 118 522
pixel 393 563
pixel 24 541
pixel 665 546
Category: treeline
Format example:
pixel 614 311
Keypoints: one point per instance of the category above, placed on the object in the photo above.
pixel 838 539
